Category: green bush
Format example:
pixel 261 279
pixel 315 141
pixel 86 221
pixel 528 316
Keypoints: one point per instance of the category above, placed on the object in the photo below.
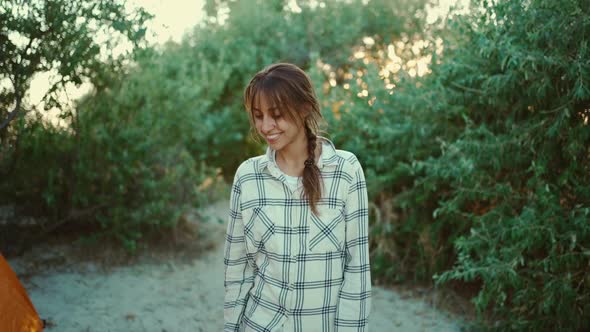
pixel 507 180
pixel 479 172
pixel 133 163
pixel 122 170
pixel 40 166
pixel 519 174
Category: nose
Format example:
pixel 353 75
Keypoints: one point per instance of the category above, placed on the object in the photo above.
pixel 268 124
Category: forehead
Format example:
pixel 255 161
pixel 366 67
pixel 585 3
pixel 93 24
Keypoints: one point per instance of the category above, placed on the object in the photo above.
pixel 262 102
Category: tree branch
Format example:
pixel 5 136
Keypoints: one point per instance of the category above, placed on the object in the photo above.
pixel 14 112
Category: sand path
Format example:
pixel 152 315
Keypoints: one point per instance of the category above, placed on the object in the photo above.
pixel 172 295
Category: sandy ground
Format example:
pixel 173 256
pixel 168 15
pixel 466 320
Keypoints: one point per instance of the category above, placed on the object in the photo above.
pixel 169 293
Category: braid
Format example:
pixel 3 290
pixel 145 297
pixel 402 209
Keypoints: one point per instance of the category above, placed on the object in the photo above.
pixel 311 144
pixel 311 173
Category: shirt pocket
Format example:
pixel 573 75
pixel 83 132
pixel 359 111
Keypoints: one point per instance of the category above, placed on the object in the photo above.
pixel 258 228
pixel 326 231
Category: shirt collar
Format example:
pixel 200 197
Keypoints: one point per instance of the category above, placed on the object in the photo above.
pixel 327 158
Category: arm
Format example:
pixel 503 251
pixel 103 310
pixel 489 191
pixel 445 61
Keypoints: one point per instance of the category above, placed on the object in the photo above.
pixel 239 275
pixel 354 299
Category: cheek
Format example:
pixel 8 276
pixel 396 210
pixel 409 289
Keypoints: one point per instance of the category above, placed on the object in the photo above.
pixel 258 125
pixel 282 124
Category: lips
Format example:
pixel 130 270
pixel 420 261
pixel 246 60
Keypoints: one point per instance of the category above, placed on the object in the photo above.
pixel 272 138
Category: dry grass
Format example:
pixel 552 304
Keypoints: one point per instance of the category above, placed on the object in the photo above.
pixel 196 232
pixel 192 237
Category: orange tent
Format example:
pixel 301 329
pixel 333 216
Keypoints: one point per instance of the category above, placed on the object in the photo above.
pixel 17 313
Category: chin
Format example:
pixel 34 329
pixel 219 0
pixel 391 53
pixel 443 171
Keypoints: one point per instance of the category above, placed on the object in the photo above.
pixel 276 147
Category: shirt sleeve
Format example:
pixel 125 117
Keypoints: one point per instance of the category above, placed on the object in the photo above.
pixel 239 275
pixel 354 299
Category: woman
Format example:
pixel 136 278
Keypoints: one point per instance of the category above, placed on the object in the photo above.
pixel 296 251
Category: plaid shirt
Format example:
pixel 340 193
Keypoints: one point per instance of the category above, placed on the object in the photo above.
pixel 287 269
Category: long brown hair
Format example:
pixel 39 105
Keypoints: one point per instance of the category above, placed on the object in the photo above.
pixel 289 87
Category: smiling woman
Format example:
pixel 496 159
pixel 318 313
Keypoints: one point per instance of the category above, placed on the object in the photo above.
pixel 284 88
pixel 296 253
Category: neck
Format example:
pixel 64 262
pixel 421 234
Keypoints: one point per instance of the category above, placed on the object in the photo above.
pixel 293 154
pixel 293 157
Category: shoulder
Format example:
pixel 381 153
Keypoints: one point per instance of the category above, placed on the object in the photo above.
pixel 349 165
pixel 331 156
pixel 348 158
pixel 352 170
pixel 250 166
pixel 346 163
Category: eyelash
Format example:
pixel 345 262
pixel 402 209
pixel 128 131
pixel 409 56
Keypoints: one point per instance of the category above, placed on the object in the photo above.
pixel 276 116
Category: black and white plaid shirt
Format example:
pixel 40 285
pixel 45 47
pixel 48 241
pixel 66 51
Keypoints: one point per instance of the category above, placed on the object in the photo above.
pixel 287 269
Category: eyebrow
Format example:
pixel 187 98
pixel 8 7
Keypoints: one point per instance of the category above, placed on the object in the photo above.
pixel 274 108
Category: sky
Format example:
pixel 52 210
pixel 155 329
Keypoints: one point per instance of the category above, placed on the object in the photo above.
pixel 172 19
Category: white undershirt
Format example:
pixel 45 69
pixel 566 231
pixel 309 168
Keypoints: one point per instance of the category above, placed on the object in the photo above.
pixel 291 180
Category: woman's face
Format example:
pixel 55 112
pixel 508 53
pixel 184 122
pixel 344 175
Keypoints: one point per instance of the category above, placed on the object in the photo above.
pixel 274 125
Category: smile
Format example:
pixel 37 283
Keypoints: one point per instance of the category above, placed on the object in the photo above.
pixel 272 137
